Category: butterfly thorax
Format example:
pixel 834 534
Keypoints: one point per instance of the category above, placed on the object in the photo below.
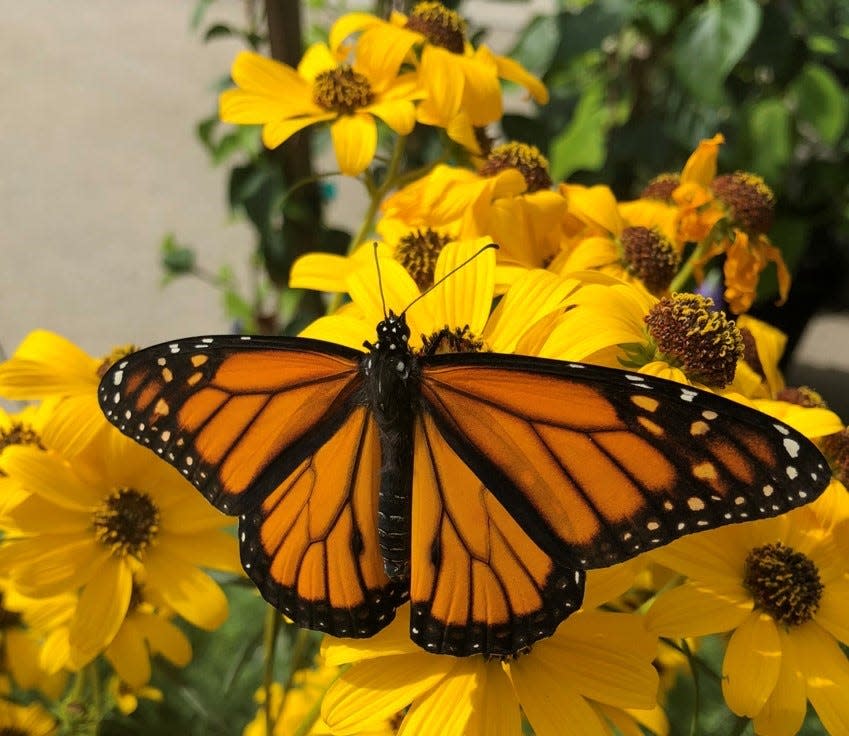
pixel 391 379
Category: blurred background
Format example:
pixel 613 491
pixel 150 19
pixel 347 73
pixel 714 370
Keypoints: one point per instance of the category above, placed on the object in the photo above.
pixel 102 163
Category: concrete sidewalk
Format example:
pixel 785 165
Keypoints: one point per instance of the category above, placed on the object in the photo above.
pixel 99 161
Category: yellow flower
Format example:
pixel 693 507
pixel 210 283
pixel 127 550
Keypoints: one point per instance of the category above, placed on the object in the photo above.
pixel 633 242
pixel 29 720
pixel 461 83
pixel 699 212
pixel 21 428
pixel 596 664
pixel 508 201
pixel 322 89
pixel 91 525
pixel 763 346
pixel 47 366
pixel 780 586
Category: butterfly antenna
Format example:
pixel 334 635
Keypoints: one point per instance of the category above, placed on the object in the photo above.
pixel 450 273
pixel 379 280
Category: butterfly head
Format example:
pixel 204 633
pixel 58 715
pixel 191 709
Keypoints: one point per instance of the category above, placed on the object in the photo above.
pixel 393 334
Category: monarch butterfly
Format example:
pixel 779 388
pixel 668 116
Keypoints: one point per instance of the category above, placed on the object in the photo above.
pixel 480 486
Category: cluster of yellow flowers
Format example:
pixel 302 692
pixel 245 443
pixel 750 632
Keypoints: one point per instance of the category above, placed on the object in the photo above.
pixel 102 543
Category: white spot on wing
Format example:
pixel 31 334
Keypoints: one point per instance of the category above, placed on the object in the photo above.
pixel 791 446
pixel 117 377
pixel 792 473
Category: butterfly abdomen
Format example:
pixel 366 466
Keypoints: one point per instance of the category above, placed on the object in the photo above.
pixel 391 383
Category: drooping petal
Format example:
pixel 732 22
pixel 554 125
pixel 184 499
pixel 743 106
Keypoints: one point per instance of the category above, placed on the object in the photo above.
pixel 354 141
pixel 751 665
pixel 513 71
pixel 100 612
pixel 594 205
pixel 165 638
pixel 701 166
pixel 276 132
pixel 443 85
pixel 400 115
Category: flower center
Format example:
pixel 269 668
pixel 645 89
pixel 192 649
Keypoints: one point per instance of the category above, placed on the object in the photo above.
pixel 19 433
pixel 8 619
pixel 784 583
pixel 802 396
pixel 661 187
pixel 439 25
pixel 417 252
pixel 691 335
pixel 521 156
pixel 750 200
pixel 650 257
pixel 121 351
pixel 836 449
pixel 342 90
pixel 127 522
pixel 446 340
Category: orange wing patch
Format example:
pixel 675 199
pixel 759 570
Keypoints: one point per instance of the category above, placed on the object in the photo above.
pixel 312 549
pixel 597 465
pixel 478 582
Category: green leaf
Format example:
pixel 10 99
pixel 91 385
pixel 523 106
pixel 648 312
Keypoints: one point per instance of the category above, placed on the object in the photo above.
pixel 770 131
pixel 820 102
pixel 710 42
pixel 176 259
pixel 537 43
pixel 581 145
pixel 219 30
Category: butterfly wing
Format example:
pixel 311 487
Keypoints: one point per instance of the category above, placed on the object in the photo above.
pixel 272 430
pixel 478 583
pixel 597 465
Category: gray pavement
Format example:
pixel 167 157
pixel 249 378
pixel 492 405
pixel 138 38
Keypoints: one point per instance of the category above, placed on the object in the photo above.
pixel 98 162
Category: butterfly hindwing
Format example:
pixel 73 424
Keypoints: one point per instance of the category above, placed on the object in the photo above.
pixel 235 415
pixel 598 465
pixel 311 547
pixel 478 583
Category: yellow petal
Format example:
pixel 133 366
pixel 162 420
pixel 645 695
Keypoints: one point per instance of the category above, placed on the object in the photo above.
pixel 276 132
pixel 466 297
pixel 349 24
pixel 831 614
pixel 341 329
pixel 381 50
pixel 320 271
pixel 164 638
pixel 826 673
pixel 694 610
pixel 394 639
pixel 45 364
pixel 714 557
pixel 100 612
pixel 354 141
pixel 496 708
pixel 186 589
pixel 316 59
pixel 447 708
pixel 378 689
pixel 33 515
pixel 74 424
pixel 213 549
pixel 400 115
pixel 552 706
pixel 513 71
pixel 751 665
pixel 444 86
pixel 784 712
pixel 594 205
pixel 129 656
pixel 701 166
pixel 53 480
pixel 245 108
pixel 263 76
pixel 482 91
pixel 66 564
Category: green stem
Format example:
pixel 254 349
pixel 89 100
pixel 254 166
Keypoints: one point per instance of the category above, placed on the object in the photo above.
pixel 272 629
pixel 686 271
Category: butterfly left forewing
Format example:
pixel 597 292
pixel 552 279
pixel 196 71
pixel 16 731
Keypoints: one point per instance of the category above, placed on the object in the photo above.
pixel 233 414
pixel 479 584
pixel 600 465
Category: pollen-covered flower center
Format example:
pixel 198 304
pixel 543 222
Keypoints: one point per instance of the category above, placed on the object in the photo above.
pixel 526 158
pixel 18 433
pixel 661 187
pixel 650 257
pixel 691 335
pixel 446 340
pixel 127 522
pixel 417 252
pixel 441 26
pixel 836 449
pixel 784 583
pixel 121 351
pixel 750 200
pixel 342 90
